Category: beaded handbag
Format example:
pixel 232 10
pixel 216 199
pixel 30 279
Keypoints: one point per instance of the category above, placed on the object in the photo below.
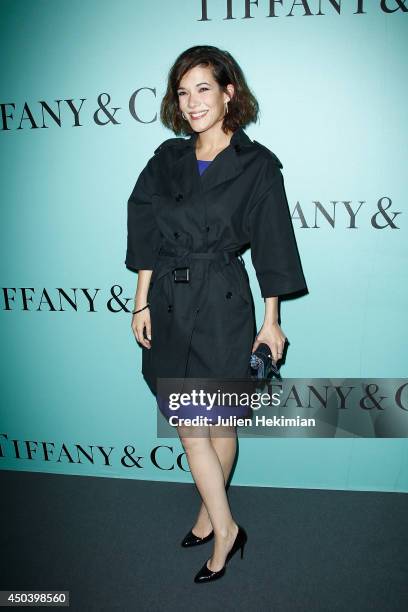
pixel 262 364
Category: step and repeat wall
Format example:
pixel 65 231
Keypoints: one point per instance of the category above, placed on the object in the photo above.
pixel 80 96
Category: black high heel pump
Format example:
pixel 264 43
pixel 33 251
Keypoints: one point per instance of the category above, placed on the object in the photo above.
pixel 193 540
pixel 207 575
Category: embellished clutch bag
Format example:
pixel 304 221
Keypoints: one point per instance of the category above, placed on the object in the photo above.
pixel 262 364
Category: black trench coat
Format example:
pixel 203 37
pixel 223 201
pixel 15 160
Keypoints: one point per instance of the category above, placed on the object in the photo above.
pixel 205 328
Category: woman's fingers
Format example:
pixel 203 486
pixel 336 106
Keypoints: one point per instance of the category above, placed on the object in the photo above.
pixel 255 345
pixel 148 330
pixel 143 340
pixel 277 349
pixel 139 324
pixel 276 344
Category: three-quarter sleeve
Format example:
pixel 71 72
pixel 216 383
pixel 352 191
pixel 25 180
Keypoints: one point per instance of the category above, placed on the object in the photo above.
pixel 142 231
pixel 274 251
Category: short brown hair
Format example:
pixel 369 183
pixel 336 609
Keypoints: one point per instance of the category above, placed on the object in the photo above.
pixel 243 107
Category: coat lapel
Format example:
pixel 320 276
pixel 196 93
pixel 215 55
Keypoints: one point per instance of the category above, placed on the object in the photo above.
pixel 225 166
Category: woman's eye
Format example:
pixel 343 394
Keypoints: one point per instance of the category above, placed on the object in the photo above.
pixel 181 93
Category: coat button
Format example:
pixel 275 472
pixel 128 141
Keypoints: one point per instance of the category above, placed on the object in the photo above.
pixel 179 197
pixel 176 234
pixel 228 295
pixel 169 307
pixel 207 229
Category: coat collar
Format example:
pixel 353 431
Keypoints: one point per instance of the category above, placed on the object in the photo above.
pixel 226 165
pixel 239 137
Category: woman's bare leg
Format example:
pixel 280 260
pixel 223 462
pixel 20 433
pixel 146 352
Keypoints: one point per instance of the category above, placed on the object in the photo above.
pixel 208 475
pixel 226 447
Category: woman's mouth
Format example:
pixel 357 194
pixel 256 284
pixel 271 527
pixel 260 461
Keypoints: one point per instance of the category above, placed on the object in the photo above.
pixel 196 116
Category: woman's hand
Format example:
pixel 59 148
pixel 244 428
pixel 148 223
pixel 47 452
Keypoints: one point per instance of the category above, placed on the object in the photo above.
pixel 272 335
pixel 141 321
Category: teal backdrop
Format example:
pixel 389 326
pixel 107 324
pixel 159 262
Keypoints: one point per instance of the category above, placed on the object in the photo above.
pixel 332 89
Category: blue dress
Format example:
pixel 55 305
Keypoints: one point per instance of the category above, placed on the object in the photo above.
pixel 202 165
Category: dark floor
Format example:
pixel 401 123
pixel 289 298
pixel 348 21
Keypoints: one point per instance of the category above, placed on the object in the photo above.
pixel 114 544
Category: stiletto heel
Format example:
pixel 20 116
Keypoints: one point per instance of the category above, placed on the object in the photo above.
pixel 205 574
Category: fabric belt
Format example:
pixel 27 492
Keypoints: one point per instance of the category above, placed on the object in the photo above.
pixel 178 262
pixel 226 255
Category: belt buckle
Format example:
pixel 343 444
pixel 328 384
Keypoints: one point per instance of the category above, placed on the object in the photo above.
pixel 181 275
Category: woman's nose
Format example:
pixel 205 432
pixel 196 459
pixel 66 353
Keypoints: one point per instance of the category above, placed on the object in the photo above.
pixel 193 103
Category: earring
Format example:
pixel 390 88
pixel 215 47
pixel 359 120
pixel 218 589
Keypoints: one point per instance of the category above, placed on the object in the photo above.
pixel 225 108
pixel 183 115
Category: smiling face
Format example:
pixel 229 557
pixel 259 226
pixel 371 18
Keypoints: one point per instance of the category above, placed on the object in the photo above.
pixel 201 99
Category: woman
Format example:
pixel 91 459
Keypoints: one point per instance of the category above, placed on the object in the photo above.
pixel 197 203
